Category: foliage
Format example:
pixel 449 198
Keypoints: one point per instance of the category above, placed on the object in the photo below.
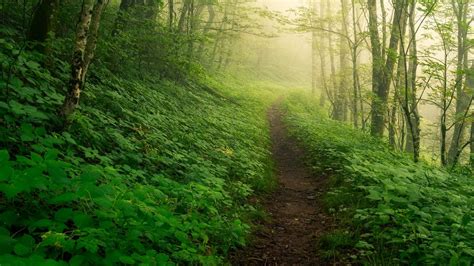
pixel 147 172
pixel 401 212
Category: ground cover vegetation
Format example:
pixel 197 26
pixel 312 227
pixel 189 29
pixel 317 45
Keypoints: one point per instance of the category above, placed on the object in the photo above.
pixel 137 132
pixel 391 210
pixel 137 158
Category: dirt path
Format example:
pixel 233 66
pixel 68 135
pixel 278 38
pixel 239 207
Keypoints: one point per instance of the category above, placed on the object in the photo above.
pixel 297 221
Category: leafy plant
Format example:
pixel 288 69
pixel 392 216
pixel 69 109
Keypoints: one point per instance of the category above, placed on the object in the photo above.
pixel 401 211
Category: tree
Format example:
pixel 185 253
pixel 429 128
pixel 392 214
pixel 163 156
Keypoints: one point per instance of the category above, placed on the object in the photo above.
pixel 382 66
pixel 43 20
pixel 463 97
pixel 84 48
pixel 210 21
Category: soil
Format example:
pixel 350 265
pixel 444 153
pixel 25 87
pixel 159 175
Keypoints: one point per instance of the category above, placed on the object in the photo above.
pixel 297 218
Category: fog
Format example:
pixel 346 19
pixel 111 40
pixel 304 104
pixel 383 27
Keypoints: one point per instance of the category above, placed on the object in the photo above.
pixel 286 56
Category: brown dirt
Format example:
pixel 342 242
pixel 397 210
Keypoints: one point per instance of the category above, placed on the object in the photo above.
pixel 297 219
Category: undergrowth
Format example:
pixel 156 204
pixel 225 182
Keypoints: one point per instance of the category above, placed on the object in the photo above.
pixel 394 210
pixel 148 172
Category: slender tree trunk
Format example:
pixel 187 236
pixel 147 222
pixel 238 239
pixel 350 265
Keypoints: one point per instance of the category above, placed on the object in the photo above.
pixel 184 13
pixel 383 12
pixel 444 111
pixel 460 8
pixel 170 14
pixel 471 145
pixel 85 43
pixel 470 85
pixel 382 70
pixel 43 20
pixel 314 48
pixel 399 81
pixel 355 68
pixel 336 103
pixel 343 59
pixel 207 28
pixel 413 138
pixel 377 70
pixel 322 56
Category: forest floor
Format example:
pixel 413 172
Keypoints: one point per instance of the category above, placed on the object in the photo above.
pixel 297 219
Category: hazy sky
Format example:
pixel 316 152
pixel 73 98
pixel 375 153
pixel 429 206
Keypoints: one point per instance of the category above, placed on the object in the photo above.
pixel 290 52
pixel 281 5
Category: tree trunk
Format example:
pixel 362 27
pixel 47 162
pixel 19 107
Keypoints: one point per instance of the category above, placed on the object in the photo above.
pixel 355 68
pixel 377 124
pixel 382 70
pixel 413 138
pixel 461 9
pixel 184 13
pixel 43 23
pixel 343 59
pixel 444 111
pixel 471 145
pixel 322 56
pixel 85 43
pixel 399 81
pixel 336 114
pixel 314 48
pixel 171 14
pixel 43 20
pixel 207 28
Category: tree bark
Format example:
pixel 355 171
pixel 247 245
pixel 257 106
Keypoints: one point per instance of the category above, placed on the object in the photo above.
pixel 85 44
pixel 43 21
pixel 343 60
pixel 207 27
pixel 336 105
pixel 171 14
pixel 322 57
pixel 314 48
pixel 184 13
pixel 413 138
pixel 460 8
pixel 355 68
pixel 382 70
pixel 471 145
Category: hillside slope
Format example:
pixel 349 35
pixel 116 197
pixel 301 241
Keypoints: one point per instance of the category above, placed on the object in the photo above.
pixel 390 209
pixel 149 172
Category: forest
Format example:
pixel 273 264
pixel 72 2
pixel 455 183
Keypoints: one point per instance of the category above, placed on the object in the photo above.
pixel 236 132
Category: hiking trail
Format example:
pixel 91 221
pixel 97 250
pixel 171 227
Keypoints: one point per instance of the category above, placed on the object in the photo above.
pixel 297 220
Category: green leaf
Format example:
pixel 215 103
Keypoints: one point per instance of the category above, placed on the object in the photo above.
pixel 57 172
pixel 162 259
pixel 364 245
pixel 127 260
pixel 63 215
pixel 27 132
pixel 6 171
pixel 21 250
pixel 6 242
pixel 51 154
pixel 82 220
pixel 8 217
pixel 24 246
pixel 4 105
pixel 16 108
pixel 43 223
pixel 465 219
pixel 4 156
pixel 77 260
pixel 63 198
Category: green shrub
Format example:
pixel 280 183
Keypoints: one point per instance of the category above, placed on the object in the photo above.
pixel 404 213
pixel 148 172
